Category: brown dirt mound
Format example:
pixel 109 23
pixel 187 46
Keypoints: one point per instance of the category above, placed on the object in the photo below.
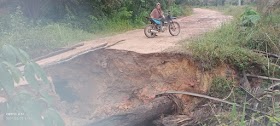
pixel 107 82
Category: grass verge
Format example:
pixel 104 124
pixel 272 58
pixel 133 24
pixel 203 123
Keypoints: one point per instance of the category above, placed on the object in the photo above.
pixel 223 46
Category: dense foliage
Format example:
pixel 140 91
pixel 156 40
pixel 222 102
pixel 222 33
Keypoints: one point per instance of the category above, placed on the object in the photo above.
pixel 85 12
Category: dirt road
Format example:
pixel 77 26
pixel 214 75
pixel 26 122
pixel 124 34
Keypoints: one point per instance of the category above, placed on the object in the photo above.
pixel 202 20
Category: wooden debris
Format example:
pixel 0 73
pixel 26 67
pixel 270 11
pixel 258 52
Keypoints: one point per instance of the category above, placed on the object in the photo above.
pixel 58 52
pixel 246 86
pixel 267 54
pixel 263 77
pixel 140 116
pixel 54 53
pixel 215 99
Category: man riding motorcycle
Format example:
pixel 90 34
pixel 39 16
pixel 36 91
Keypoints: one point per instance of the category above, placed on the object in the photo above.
pixel 158 14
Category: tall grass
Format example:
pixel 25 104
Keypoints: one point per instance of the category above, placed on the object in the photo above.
pixel 223 46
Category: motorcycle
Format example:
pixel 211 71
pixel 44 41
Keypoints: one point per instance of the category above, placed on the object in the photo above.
pixel 157 26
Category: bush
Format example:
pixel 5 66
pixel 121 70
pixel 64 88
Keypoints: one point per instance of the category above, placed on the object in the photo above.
pixel 177 10
pixel 249 18
pixel 180 10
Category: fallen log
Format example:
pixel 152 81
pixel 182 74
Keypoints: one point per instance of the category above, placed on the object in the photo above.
pixel 58 52
pixel 140 116
pixel 54 53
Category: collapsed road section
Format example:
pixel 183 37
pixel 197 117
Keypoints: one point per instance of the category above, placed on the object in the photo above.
pixel 109 82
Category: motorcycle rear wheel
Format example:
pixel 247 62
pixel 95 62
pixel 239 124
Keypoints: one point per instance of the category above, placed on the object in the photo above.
pixel 148 32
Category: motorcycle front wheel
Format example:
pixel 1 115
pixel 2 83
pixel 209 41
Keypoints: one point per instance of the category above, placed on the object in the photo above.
pixel 174 28
pixel 148 31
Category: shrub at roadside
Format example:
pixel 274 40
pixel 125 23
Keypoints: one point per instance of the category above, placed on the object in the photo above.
pixel 249 18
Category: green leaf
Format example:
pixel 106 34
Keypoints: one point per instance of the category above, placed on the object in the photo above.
pixel 33 110
pixel 40 73
pixel 6 80
pixel 15 71
pixel 18 120
pixel 233 113
pixel 29 74
pixel 274 119
pixel 254 19
pixel 15 106
pixel 18 54
pixel 23 56
pixel 250 17
pixel 21 97
pixel 8 54
pixel 52 118
pixel 243 121
pixel 46 97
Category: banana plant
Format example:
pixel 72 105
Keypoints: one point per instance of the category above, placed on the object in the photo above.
pixel 25 107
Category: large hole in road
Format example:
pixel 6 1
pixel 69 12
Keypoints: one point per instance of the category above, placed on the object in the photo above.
pixel 106 82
